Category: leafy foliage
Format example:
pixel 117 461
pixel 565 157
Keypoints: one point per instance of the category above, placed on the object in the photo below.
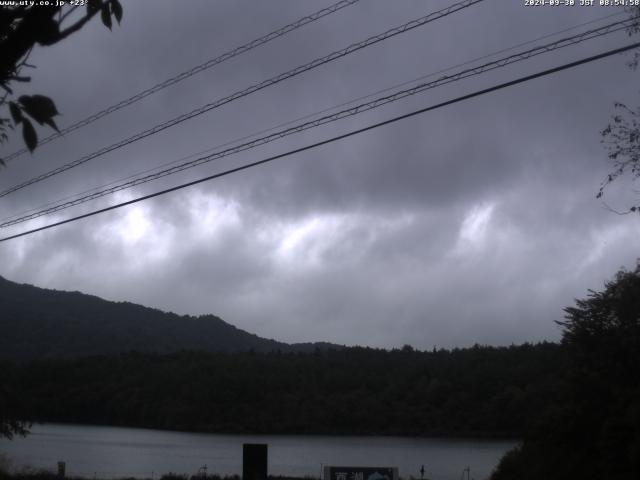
pixel 22 27
pixel 622 139
pixel 594 431
pixel 621 136
pixel 633 29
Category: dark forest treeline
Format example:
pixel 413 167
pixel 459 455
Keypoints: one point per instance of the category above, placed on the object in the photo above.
pixel 479 391
pixel 592 432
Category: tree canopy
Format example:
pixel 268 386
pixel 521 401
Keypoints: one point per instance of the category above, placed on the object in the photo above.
pixel 621 136
pixel 22 27
pixel 594 431
pixel 478 391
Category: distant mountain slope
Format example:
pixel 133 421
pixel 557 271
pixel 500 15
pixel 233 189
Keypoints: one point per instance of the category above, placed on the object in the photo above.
pixel 38 323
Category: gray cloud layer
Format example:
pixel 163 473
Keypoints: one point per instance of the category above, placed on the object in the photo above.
pixel 474 223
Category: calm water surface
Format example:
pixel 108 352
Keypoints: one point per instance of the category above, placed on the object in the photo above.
pixel 108 452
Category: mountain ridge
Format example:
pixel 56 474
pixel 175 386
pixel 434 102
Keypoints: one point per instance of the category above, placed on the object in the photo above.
pixel 39 323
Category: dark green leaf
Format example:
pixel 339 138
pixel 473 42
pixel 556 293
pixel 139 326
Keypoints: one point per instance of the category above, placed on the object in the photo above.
pixel 116 8
pixel 40 108
pixel 47 32
pixel 106 16
pixel 29 134
pixel 16 113
pixel 52 124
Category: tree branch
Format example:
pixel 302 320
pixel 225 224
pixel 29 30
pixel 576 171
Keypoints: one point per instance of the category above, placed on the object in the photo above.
pixel 69 12
pixel 22 39
pixel 78 25
pixel 615 211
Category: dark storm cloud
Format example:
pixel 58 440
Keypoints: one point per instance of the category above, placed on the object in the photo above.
pixel 473 223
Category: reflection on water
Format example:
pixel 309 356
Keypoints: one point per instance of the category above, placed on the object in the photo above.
pixel 107 452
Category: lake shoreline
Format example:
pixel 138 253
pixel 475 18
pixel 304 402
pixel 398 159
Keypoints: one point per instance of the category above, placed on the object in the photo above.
pixel 99 452
pixel 51 475
pixel 469 435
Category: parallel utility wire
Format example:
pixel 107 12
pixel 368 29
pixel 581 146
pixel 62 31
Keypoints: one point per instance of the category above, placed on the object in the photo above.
pixel 192 71
pixel 462 98
pixel 311 115
pixel 252 89
pixel 378 102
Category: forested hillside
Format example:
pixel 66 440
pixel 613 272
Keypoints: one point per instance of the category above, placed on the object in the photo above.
pixel 480 391
pixel 41 323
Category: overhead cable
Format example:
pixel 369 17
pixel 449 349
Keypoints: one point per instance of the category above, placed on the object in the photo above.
pixel 311 115
pixel 252 89
pixel 333 139
pixel 378 102
pixel 191 72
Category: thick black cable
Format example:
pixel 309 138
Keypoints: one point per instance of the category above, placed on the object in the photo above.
pixel 252 89
pixel 191 72
pixel 42 209
pixel 336 138
pixel 500 63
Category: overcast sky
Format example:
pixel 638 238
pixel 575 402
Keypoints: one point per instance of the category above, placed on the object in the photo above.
pixel 475 223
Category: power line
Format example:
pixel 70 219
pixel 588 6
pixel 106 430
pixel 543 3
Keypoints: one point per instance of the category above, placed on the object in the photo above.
pixel 330 118
pixel 336 138
pixel 192 71
pixel 500 63
pixel 311 115
pixel 252 89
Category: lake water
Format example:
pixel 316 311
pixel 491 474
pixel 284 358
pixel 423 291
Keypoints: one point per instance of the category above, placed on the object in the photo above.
pixel 108 452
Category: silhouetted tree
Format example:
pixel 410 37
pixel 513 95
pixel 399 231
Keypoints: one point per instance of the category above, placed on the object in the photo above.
pixel 622 135
pixel 9 425
pixel 22 27
pixel 593 432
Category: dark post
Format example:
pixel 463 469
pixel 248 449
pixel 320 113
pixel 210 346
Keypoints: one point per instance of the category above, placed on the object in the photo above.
pixel 254 461
pixel 62 466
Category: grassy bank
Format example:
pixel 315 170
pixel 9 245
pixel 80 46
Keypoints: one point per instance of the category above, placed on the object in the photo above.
pixel 48 475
